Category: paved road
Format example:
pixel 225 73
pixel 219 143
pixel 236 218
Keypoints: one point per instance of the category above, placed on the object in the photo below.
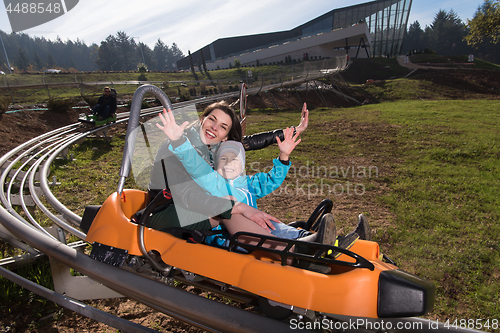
pixel 410 65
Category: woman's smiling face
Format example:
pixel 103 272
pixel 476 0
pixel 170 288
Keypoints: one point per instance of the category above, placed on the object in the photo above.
pixel 215 127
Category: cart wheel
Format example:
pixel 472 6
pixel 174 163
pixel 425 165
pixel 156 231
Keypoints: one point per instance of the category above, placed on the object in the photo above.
pixel 324 207
pixel 274 311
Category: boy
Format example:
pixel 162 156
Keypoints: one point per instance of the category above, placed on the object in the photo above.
pixel 229 180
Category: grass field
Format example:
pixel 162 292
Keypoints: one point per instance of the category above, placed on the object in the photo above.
pixel 451 61
pixel 445 197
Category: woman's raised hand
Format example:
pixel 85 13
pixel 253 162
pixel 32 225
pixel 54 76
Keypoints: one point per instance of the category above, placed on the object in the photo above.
pixel 304 119
pixel 289 143
pixel 170 128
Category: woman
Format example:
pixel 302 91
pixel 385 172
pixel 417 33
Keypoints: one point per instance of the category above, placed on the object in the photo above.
pixel 195 209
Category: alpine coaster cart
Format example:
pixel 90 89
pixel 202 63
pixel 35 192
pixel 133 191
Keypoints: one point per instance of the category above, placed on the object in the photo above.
pixel 361 283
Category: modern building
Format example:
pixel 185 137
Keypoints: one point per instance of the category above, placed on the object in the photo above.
pixel 371 29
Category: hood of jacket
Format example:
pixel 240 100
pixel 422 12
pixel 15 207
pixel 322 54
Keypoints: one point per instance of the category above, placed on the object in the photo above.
pixel 208 153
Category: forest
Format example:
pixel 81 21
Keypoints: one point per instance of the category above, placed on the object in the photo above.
pixel 118 52
pixel 447 35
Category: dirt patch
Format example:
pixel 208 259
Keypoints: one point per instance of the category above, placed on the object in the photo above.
pixel 353 183
pixel 463 84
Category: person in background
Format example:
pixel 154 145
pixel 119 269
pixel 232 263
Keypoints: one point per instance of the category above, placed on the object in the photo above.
pixel 106 105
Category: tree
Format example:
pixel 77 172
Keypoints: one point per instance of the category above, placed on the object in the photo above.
pixel 38 61
pixel 203 62
pixel 205 66
pixel 121 53
pixel 22 61
pixel 446 33
pixel 149 56
pixel 414 38
pixel 166 57
pixel 485 26
pixel 199 66
pixel 118 52
pixel 174 54
pixel 50 60
pixel 109 57
pixel 126 47
pixel 64 54
pixel 486 46
pixel 160 53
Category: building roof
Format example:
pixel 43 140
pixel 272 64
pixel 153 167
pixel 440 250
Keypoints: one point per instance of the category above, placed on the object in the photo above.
pixel 386 22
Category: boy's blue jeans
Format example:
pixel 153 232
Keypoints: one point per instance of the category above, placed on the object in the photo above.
pixel 284 231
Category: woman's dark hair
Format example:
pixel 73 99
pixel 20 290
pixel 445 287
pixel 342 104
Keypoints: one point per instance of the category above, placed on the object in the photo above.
pixel 235 131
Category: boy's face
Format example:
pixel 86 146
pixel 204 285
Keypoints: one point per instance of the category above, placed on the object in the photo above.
pixel 229 166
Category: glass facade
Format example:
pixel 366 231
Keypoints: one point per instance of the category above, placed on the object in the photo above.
pixel 386 20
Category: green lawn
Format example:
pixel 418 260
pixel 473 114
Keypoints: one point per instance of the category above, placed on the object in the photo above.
pixel 443 189
pixel 446 199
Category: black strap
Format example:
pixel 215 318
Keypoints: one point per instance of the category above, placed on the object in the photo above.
pixel 164 172
pixel 163 197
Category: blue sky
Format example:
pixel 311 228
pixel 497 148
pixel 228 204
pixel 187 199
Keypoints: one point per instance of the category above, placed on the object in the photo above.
pixel 192 24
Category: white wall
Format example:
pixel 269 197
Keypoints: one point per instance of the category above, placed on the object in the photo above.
pixel 318 46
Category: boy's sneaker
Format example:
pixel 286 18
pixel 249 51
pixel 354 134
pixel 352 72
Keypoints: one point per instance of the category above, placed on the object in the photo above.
pixel 326 234
pixel 327 230
pixel 363 228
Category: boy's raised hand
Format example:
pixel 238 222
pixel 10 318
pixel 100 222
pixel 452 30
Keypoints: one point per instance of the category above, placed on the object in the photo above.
pixel 170 128
pixel 289 143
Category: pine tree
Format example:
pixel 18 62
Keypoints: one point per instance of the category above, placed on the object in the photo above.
pixel 22 61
